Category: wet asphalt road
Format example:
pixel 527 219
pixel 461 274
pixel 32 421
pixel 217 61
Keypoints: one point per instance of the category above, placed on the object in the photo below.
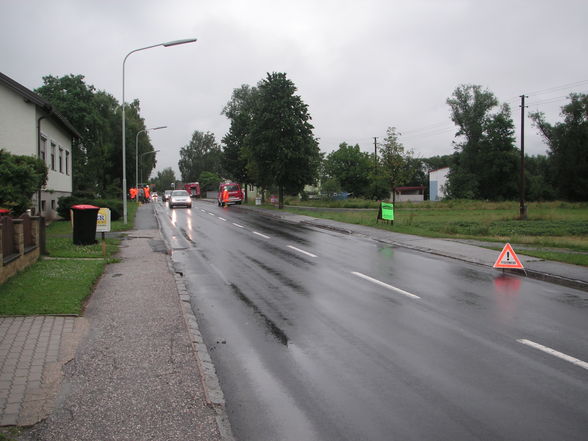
pixel 318 335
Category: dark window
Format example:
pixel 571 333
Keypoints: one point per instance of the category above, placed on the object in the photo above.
pixel 52 156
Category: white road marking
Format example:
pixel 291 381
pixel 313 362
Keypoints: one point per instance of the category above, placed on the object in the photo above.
pixel 212 214
pixel 302 251
pixel 555 353
pixel 222 218
pixel 204 211
pixel 385 285
pixel 237 225
pixel 262 235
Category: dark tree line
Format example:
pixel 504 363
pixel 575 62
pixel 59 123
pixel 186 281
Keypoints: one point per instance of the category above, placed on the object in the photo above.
pixel 97 156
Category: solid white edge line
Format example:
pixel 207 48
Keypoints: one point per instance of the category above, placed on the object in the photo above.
pixel 385 285
pixel 553 352
pixel 237 225
pixel 262 235
pixel 302 251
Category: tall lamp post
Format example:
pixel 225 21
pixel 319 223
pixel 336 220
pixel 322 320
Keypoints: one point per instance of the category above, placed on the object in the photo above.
pixel 124 161
pixel 137 151
pixel 143 154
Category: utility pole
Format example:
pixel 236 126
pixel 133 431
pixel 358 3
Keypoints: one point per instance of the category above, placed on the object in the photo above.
pixel 375 155
pixel 523 207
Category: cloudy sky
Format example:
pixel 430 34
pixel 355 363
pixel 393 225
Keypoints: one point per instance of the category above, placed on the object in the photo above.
pixel 361 65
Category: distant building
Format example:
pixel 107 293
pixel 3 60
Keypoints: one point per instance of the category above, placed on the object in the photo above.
pixel 437 183
pixel 29 125
pixel 410 194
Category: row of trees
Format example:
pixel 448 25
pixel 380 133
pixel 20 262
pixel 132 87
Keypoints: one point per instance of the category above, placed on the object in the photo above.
pixel 96 115
pixel 270 144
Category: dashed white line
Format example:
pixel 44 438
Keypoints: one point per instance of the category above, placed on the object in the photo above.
pixel 204 211
pixel 237 225
pixel 222 218
pixel 385 285
pixel 553 352
pixel 262 235
pixel 302 251
pixel 212 214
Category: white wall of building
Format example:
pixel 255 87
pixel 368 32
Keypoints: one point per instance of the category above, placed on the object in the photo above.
pixel 17 124
pixel 437 183
pixel 19 136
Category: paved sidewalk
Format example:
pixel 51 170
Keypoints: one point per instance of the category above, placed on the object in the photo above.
pixel 30 359
pixel 130 369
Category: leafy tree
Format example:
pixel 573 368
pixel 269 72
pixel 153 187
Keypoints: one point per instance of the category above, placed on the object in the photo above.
pixel 96 158
pixel 238 111
pixel 281 148
pixel 485 163
pixel 350 167
pixel 20 177
pixel 394 160
pixel 209 181
pixel 164 179
pixel 568 147
pixel 539 179
pixel 201 154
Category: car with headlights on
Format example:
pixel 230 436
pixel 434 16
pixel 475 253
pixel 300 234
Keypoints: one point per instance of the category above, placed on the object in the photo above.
pixel 180 198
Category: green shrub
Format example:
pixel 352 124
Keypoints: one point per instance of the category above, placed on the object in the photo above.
pixel 65 203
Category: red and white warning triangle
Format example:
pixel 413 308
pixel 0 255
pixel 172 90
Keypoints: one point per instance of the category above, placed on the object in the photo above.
pixel 508 259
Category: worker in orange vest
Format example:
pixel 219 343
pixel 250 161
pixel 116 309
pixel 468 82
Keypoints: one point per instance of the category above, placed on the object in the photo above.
pixel 147 194
pixel 225 196
pixel 133 192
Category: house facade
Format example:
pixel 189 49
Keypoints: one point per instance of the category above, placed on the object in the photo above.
pixel 29 125
pixel 437 183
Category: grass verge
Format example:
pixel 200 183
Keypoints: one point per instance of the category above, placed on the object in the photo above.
pixel 50 287
pixel 60 283
pixel 553 231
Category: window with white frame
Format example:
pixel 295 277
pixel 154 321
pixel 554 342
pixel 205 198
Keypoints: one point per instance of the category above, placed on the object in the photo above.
pixel 67 162
pixel 60 160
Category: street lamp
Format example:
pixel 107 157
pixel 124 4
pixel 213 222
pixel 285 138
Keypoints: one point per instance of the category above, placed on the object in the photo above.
pixel 137 151
pixel 124 161
pixel 143 154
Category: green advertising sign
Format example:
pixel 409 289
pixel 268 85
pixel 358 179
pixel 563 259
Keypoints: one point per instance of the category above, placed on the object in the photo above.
pixel 387 211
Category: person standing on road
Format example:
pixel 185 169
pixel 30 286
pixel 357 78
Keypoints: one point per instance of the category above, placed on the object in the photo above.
pixel 225 196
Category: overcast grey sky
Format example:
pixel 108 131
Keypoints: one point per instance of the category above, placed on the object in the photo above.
pixel 361 65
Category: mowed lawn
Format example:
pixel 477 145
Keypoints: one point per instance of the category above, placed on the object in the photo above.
pixel 60 282
pixel 553 230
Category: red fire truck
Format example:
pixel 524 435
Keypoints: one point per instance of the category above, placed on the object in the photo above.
pixel 193 189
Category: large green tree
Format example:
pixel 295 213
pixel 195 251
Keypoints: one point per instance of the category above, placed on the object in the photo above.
pixel 97 156
pixel 485 162
pixel 281 148
pixel 568 147
pixel 350 167
pixel 20 177
pixel 239 111
pixel 201 154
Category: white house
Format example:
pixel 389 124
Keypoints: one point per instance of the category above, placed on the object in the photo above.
pixel 437 183
pixel 29 125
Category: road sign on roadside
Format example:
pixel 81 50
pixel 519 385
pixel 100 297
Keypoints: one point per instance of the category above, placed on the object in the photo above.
pixel 508 259
pixel 386 212
pixel 103 220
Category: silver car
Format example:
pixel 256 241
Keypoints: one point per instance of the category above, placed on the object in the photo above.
pixel 180 198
